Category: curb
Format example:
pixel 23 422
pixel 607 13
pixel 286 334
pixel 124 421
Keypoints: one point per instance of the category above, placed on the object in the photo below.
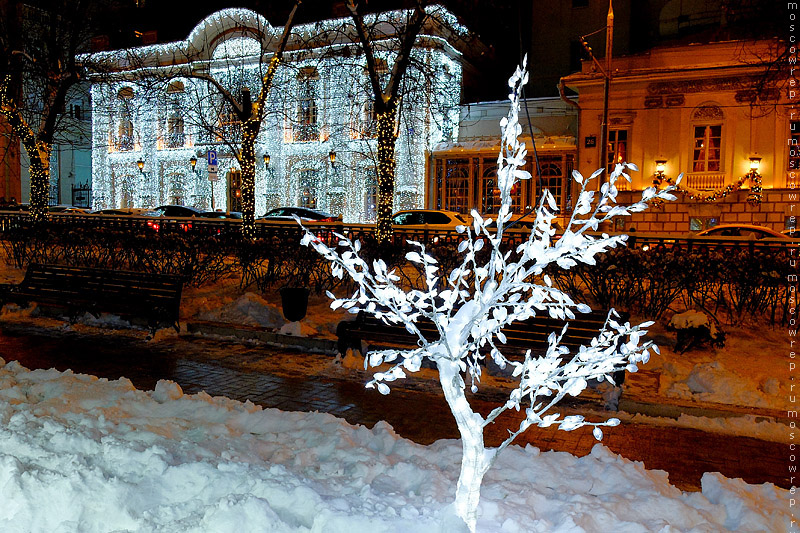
pixel 244 332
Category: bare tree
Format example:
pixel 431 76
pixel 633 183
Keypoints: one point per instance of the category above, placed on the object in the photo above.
pixel 38 45
pixel 387 88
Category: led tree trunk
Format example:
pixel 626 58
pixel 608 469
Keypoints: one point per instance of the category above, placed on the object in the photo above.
pixel 386 168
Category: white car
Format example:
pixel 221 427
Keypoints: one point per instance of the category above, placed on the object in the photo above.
pixel 436 219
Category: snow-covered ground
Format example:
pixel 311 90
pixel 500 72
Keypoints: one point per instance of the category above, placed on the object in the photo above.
pixel 81 454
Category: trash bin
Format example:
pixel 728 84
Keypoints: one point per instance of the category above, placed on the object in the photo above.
pixel 294 301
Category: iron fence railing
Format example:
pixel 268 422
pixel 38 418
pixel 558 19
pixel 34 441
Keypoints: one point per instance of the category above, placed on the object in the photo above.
pixel 289 229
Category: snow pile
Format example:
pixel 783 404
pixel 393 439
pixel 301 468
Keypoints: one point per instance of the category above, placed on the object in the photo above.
pixel 712 382
pixel 249 309
pixel 692 319
pixel 85 454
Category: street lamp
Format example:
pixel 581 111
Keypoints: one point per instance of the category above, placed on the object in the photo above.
pixel 332 157
pixel 140 164
pixel 266 161
pixel 193 163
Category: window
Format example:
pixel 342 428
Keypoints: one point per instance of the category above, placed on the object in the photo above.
pixel 794 145
pixel 456 186
pixel 175 134
pixel 552 177
pixel 125 135
pixel 707 138
pixel 617 148
pixel 707 153
pixel 307 128
pixel 701 223
pixel 490 199
pixel 308 188
pixel 370 197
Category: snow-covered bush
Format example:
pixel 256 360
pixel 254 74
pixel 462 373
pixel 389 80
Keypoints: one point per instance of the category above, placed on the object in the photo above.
pixel 480 296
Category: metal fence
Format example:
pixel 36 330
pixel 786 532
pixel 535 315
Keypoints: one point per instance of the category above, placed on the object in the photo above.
pixel 327 231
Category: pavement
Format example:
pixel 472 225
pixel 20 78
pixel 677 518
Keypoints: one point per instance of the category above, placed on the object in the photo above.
pixel 301 374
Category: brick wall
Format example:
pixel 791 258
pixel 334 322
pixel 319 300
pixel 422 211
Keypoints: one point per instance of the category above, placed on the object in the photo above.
pixel 777 204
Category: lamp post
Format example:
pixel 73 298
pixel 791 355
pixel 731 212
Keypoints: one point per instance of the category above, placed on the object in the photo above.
pixel 140 164
pixel 266 161
pixel 332 157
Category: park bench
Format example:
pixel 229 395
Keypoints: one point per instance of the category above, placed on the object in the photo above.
pixel 136 296
pixel 530 334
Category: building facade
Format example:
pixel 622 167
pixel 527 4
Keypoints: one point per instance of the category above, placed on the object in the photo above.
pixel 708 111
pixel 159 112
pixel 463 174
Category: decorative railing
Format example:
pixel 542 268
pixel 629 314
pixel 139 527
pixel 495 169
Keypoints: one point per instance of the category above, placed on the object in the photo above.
pixel 290 230
pixel 704 180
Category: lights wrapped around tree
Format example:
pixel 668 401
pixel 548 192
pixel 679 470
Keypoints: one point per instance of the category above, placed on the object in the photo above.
pixel 754 198
pixel 38 153
pixel 386 166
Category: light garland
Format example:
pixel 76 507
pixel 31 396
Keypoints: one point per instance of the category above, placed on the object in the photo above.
pixel 38 153
pixel 429 115
pixel 754 198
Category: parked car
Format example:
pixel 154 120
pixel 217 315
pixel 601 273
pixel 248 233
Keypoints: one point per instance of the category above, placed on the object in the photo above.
pixel 222 215
pixel 428 219
pixel 174 211
pixel 742 230
pixel 67 210
pixel 127 211
pixel 285 214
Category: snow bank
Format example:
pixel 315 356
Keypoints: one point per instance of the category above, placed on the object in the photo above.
pixel 85 454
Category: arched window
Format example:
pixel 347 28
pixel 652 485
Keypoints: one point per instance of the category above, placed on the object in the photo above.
pixel 707 123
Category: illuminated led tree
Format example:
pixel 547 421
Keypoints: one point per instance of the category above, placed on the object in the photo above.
pixel 38 44
pixel 472 305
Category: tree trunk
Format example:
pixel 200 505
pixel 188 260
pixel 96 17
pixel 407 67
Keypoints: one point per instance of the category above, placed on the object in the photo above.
pixel 386 166
pixel 473 459
pixel 248 161
pixel 40 181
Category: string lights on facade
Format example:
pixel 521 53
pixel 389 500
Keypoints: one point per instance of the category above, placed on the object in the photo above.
pixel 429 115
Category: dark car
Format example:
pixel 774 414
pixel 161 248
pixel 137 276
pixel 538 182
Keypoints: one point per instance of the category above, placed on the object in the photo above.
pixel 174 211
pixel 222 215
pixel 127 211
pixel 286 214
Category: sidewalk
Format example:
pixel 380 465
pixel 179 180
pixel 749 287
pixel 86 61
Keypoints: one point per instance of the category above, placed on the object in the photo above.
pixel 304 381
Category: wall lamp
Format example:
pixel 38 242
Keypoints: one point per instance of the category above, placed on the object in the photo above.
pixel 661 167
pixel 755 163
